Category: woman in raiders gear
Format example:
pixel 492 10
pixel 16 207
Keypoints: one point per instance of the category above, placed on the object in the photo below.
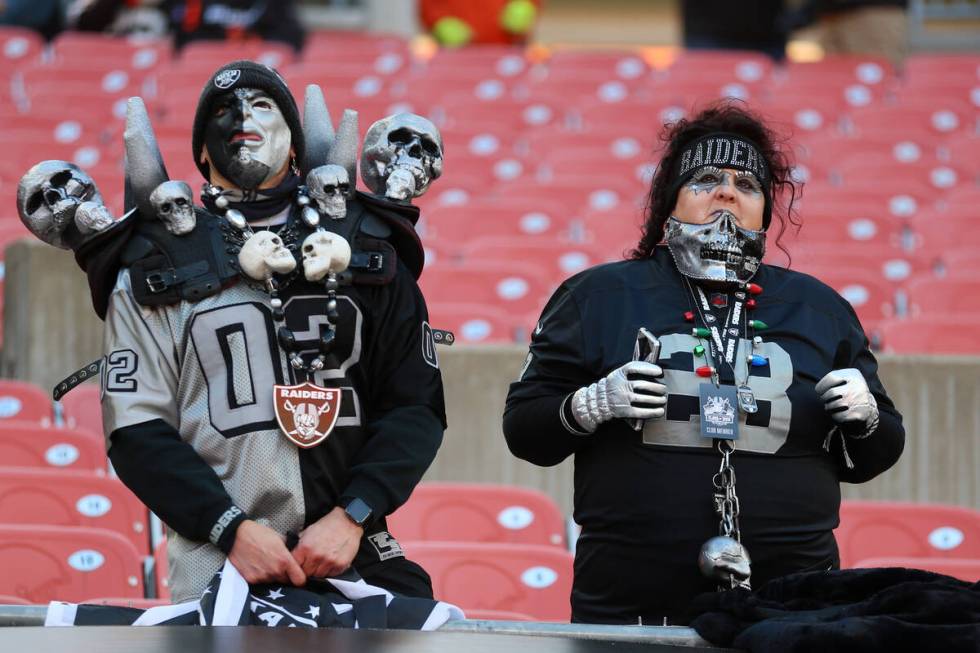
pixel 191 421
pixel 747 350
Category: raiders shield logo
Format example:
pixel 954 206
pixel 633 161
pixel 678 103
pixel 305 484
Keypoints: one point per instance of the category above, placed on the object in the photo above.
pixel 306 413
pixel 226 78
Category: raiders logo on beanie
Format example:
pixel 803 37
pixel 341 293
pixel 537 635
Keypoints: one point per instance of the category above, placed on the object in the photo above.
pixel 245 74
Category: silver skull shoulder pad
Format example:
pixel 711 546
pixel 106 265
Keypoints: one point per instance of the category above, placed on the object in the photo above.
pixel 48 196
pixel 402 156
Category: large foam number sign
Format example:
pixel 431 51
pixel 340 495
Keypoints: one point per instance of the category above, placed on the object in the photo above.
pixel 239 356
pixel 764 432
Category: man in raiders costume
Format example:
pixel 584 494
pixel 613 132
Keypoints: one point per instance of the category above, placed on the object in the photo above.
pixel 742 365
pixel 271 389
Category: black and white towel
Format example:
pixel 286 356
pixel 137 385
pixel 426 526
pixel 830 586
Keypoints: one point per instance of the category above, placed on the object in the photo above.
pixel 344 601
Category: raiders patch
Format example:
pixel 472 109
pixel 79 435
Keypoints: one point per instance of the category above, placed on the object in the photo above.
pixel 429 354
pixel 386 546
pixel 227 78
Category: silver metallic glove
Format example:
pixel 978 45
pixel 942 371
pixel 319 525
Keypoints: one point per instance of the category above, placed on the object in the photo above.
pixel 618 396
pixel 847 398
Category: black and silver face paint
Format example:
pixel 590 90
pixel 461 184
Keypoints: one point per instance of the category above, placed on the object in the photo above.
pixel 247 137
pixel 707 178
pixel 719 250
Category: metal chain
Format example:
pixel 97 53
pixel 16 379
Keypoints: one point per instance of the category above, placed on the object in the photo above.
pixel 726 500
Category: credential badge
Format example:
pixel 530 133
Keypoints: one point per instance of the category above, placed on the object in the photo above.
pixel 306 413
pixel 227 78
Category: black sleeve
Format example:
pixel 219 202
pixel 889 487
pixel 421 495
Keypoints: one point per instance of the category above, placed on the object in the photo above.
pixel 537 420
pixel 407 414
pixel 175 483
pixel 880 450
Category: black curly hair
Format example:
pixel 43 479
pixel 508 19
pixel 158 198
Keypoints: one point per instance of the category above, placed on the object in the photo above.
pixel 723 116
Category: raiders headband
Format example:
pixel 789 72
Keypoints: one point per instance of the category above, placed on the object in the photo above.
pixel 723 150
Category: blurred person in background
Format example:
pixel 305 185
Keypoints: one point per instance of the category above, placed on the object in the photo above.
pixel 755 367
pixel 454 23
pixel 130 18
pixel 192 20
pixel 723 25
pixel 869 27
pixel 44 16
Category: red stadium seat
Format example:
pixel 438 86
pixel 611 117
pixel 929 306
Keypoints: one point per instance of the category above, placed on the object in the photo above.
pixel 861 69
pixel 24 402
pixel 104 51
pixel 161 570
pixel 211 55
pixel 46 563
pixel 578 195
pixel 498 615
pixel 533 580
pixel 928 66
pixel 63 498
pixel 477 512
pixel 511 218
pixel 83 408
pixel 18 45
pixel 464 110
pixel 23 444
pixel 719 67
pixel 560 260
pixel 871 296
pixel 7 599
pixel 950 298
pixel 928 335
pixel 871 529
pixel 968 570
pixel 515 289
pixel 941 122
pixel 477 323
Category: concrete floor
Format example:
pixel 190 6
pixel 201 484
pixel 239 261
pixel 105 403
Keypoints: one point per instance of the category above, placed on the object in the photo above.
pixel 609 22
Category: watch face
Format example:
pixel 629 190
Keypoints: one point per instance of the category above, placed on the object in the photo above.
pixel 358 511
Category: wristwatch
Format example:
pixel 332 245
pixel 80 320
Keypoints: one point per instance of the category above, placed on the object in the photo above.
pixel 358 511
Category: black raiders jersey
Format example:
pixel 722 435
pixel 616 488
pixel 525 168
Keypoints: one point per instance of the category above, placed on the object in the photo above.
pixel 644 499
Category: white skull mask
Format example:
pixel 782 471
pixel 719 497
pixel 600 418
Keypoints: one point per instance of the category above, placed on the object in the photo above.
pixel 92 217
pixel 48 195
pixel 174 205
pixel 324 252
pixel 404 142
pixel 263 254
pixel 329 186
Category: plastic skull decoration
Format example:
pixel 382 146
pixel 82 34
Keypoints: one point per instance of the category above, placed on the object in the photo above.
pixel 724 559
pixel 174 205
pixel 329 186
pixel 264 254
pixel 324 252
pixel 48 195
pixel 402 155
pixel 92 217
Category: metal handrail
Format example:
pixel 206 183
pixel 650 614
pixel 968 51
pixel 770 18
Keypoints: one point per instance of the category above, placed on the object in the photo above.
pixel 33 615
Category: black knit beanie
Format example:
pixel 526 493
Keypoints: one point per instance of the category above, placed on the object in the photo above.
pixel 245 74
pixel 723 150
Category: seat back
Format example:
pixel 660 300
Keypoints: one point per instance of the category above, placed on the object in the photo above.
pixel 28 445
pixel 69 498
pixel 45 563
pixel 965 569
pixel 532 580
pixel 24 402
pixel 873 529
pixel 478 512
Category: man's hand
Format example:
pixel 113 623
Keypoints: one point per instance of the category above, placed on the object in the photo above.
pixel 260 555
pixel 329 545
